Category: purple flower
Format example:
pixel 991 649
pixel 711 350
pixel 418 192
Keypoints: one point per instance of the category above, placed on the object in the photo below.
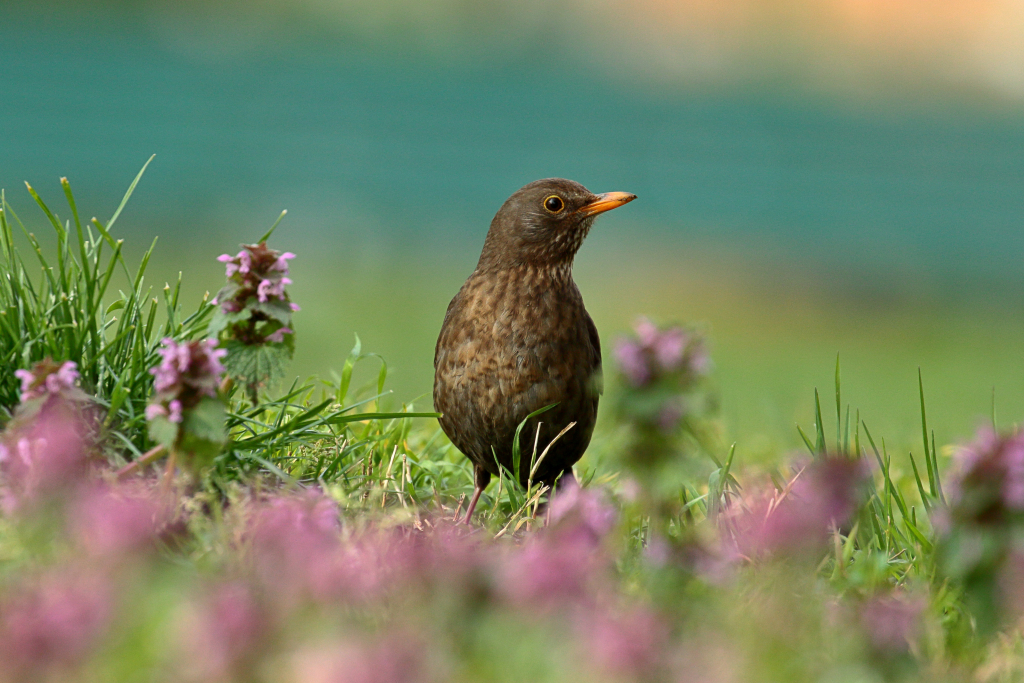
pixel 628 644
pixel 398 658
pixel 582 511
pixel 47 377
pixel 668 348
pixel 51 623
pixel 891 622
pixel 564 561
pixel 111 521
pixel 221 634
pixel 277 336
pixel 282 262
pixel 155 410
pixel 632 362
pixel 230 266
pixel 45 454
pixel 188 372
pixel 822 496
pixel 189 365
pixel 257 274
pixel 987 482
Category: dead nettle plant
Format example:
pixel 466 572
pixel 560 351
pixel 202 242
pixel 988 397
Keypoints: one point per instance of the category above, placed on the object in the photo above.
pixel 157 381
pixel 253 319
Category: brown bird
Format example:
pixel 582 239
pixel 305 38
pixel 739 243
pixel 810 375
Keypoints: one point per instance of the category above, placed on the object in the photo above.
pixel 516 338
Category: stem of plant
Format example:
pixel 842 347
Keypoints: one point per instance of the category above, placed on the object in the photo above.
pixel 144 459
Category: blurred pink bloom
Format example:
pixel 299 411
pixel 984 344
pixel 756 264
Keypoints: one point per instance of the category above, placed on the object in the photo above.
pixel 174 411
pixel 46 377
pixel 296 545
pixel 629 644
pixel 668 348
pixel 892 622
pixel 632 362
pixel 646 331
pixel 294 307
pixel 823 496
pixel 155 410
pixel 565 560
pixel 575 511
pixel 230 267
pixel 988 477
pixel 221 635
pixel 44 454
pixel 111 521
pixel 51 623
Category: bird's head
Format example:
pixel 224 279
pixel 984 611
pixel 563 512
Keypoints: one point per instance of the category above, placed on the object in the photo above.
pixel 544 223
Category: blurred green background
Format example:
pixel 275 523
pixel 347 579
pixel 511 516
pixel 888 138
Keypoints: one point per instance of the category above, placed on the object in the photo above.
pixel 815 177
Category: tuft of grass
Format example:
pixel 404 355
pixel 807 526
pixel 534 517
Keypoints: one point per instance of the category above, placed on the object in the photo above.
pixel 66 307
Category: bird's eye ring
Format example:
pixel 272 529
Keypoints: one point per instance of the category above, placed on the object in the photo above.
pixel 554 203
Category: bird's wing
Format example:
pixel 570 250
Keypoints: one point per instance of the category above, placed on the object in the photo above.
pixel 595 343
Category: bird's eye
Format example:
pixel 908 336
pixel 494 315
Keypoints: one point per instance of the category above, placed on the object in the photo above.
pixel 554 203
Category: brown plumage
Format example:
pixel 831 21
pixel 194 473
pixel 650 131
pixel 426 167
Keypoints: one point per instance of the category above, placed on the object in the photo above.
pixel 517 338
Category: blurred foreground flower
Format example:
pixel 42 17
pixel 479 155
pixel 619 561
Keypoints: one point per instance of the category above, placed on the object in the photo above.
pixel 254 315
pixel 824 495
pixel 221 634
pixel 891 622
pixel 116 521
pixel 982 529
pixel 50 624
pixel 45 446
pixel 565 561
pixel 49 378
pixel 664 401
pixel 186 415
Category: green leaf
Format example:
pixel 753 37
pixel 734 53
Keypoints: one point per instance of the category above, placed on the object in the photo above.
pixel 203 432
pixel 220 320
pixel 275 310
pixel 163 431
pixel 256 364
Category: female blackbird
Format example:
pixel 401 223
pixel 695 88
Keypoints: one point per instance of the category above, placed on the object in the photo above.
pixel 516 338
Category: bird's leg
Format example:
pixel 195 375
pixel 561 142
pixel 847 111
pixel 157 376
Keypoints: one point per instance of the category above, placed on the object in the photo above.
pixel 481 478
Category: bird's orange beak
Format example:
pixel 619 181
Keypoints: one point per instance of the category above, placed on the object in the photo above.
pixel 606 202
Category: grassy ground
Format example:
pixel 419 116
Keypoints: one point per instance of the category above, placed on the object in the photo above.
pixel 305 531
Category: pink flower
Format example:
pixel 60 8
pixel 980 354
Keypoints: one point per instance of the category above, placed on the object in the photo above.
pixel 174 414
pixel 668 348
pixel 628 644
pixel 221 635
pixel 891 622
pixel 399 658
pixel 111 521
pixel 245 261
pixel 51 623
pixel 46 377
pixel 632 362
pixel 823 496
pixel 282 262
pixel 155 410
pixel 46 454
pixel 277 336
pixel 294 307
pixel 988 480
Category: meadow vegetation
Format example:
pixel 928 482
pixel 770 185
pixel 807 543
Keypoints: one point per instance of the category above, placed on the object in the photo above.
pixel 170 509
